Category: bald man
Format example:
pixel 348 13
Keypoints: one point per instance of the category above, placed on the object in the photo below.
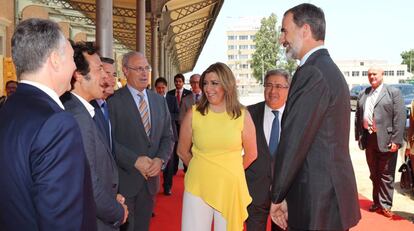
pixel 379 128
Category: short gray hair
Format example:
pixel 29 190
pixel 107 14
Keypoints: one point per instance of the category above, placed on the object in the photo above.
pixel 33 41
pixel 280 72
pixel 127 56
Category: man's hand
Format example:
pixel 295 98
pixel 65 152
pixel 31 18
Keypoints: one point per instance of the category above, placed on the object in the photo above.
pixel 155 167
pixel 393 147
pixel 279 214
pixel 120 198
pixel 142 164
pixel 125 213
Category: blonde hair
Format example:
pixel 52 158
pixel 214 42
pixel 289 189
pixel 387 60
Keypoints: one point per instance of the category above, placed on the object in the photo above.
pixel 228 82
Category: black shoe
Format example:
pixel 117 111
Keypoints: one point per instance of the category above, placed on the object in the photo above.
pixel 167 192
pixel 153 214
pixel 374 208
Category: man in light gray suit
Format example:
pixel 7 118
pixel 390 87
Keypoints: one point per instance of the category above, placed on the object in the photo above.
pixel 143 140
pixel 379 127
pixel 314 182
pixel 87 84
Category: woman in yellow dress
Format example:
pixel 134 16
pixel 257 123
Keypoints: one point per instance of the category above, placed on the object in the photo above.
pixel 211 140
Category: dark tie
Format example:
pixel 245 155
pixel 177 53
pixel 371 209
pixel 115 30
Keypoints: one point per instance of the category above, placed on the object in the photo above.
pixel 105 110
pixel 274 134
pixel 178 97
pixel 197 98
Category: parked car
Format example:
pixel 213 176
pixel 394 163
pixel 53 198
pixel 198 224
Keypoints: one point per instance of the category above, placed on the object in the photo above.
pixel 407 92
pixel 354 92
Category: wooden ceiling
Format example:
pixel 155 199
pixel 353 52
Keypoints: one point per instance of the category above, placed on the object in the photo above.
pixel 184 24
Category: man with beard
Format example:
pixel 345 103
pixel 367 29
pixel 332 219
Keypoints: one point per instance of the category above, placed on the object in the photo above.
pixel 313 181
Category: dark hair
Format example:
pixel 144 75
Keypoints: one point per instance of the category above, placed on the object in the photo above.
pixel 179 76
pixel 33 41
pixel 107 60
pixel 279 72
pixel 79 48
pixel 161 80
pixel 11 81
pixel 312 15
pixel 228 82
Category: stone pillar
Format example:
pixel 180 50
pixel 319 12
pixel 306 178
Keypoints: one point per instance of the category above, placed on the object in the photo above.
pixel 162 56
pixel 140 26
pixel 154 48
pixel 104 29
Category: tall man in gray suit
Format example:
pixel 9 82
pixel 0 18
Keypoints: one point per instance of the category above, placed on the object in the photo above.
pixel 313 181
pixel 267 117
pixel 87 84
pixel 141 127
pixel 379 127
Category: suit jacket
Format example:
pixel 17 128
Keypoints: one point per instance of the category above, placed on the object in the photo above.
pixel 131 141
pixel 259 173
pixel 186 103
pixel 44 174
pixel 185 92
pixel 174 112
pixel 313 169
pixel 103 167
pixel 101 123
pixel 389 116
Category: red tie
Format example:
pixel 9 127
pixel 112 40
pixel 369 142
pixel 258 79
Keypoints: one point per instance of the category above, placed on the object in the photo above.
pixel 178 97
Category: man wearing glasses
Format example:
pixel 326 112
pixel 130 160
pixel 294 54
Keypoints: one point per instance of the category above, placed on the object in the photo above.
pixel 267 116
pixel 142 138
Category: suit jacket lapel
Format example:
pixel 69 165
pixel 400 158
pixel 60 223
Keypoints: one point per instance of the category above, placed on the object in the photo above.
pixel 381 95
pixel 260 132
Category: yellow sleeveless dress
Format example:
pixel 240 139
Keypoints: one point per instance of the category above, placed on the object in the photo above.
pixel 215 173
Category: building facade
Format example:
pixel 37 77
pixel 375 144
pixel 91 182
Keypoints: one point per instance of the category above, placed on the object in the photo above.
pixel 356 71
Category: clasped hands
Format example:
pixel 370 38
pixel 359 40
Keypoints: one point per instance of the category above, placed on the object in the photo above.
pixel 148 167
pixel 279 214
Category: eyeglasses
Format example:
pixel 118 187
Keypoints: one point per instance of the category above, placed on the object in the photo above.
pixel 277 86
pixel 141 69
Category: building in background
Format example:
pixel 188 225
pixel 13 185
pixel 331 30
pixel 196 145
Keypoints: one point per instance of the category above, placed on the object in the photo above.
pixel 356 71
pixel 240 47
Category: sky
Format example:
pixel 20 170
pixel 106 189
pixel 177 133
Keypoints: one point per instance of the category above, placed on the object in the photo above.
pixel 355 29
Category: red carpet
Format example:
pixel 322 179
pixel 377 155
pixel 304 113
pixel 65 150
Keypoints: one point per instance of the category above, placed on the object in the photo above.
pixel 168 213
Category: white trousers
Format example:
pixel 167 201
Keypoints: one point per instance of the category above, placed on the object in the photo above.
pixel 198 215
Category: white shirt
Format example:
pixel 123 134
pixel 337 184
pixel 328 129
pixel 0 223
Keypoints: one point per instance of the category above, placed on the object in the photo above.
pixel 268 120
pixel 46 90
pixel 87 105
pixel 306 56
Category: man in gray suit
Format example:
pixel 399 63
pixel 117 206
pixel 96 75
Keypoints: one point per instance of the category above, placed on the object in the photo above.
pixel 314 180
pixel 141 127
pixel 379 127
pixel 87 83
pixel 190 99
pixel 266 116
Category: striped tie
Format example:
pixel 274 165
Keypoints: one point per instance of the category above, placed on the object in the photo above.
pixel 143 110
pixel 370 111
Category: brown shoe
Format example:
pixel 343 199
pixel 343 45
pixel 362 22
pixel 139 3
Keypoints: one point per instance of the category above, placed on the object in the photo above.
pixel 387 213
pixel 374 208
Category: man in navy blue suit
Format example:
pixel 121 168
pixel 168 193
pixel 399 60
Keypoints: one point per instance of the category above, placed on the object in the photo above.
pixel 44 174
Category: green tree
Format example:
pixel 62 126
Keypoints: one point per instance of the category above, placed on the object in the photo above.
pixel 269 53
pixel 408 59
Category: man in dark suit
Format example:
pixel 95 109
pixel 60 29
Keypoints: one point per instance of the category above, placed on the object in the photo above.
pixel 141 127
pixel 190 99
pixel 314 180
pixel 11 87
pixel 101 106
pixel 168 172
pixel 379 128
pixel 179 93
pixel 267 117
pixel 44 174
pixel 88 84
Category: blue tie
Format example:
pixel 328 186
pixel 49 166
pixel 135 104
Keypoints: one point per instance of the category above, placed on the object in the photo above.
pixel 274 134
pixel 105 111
